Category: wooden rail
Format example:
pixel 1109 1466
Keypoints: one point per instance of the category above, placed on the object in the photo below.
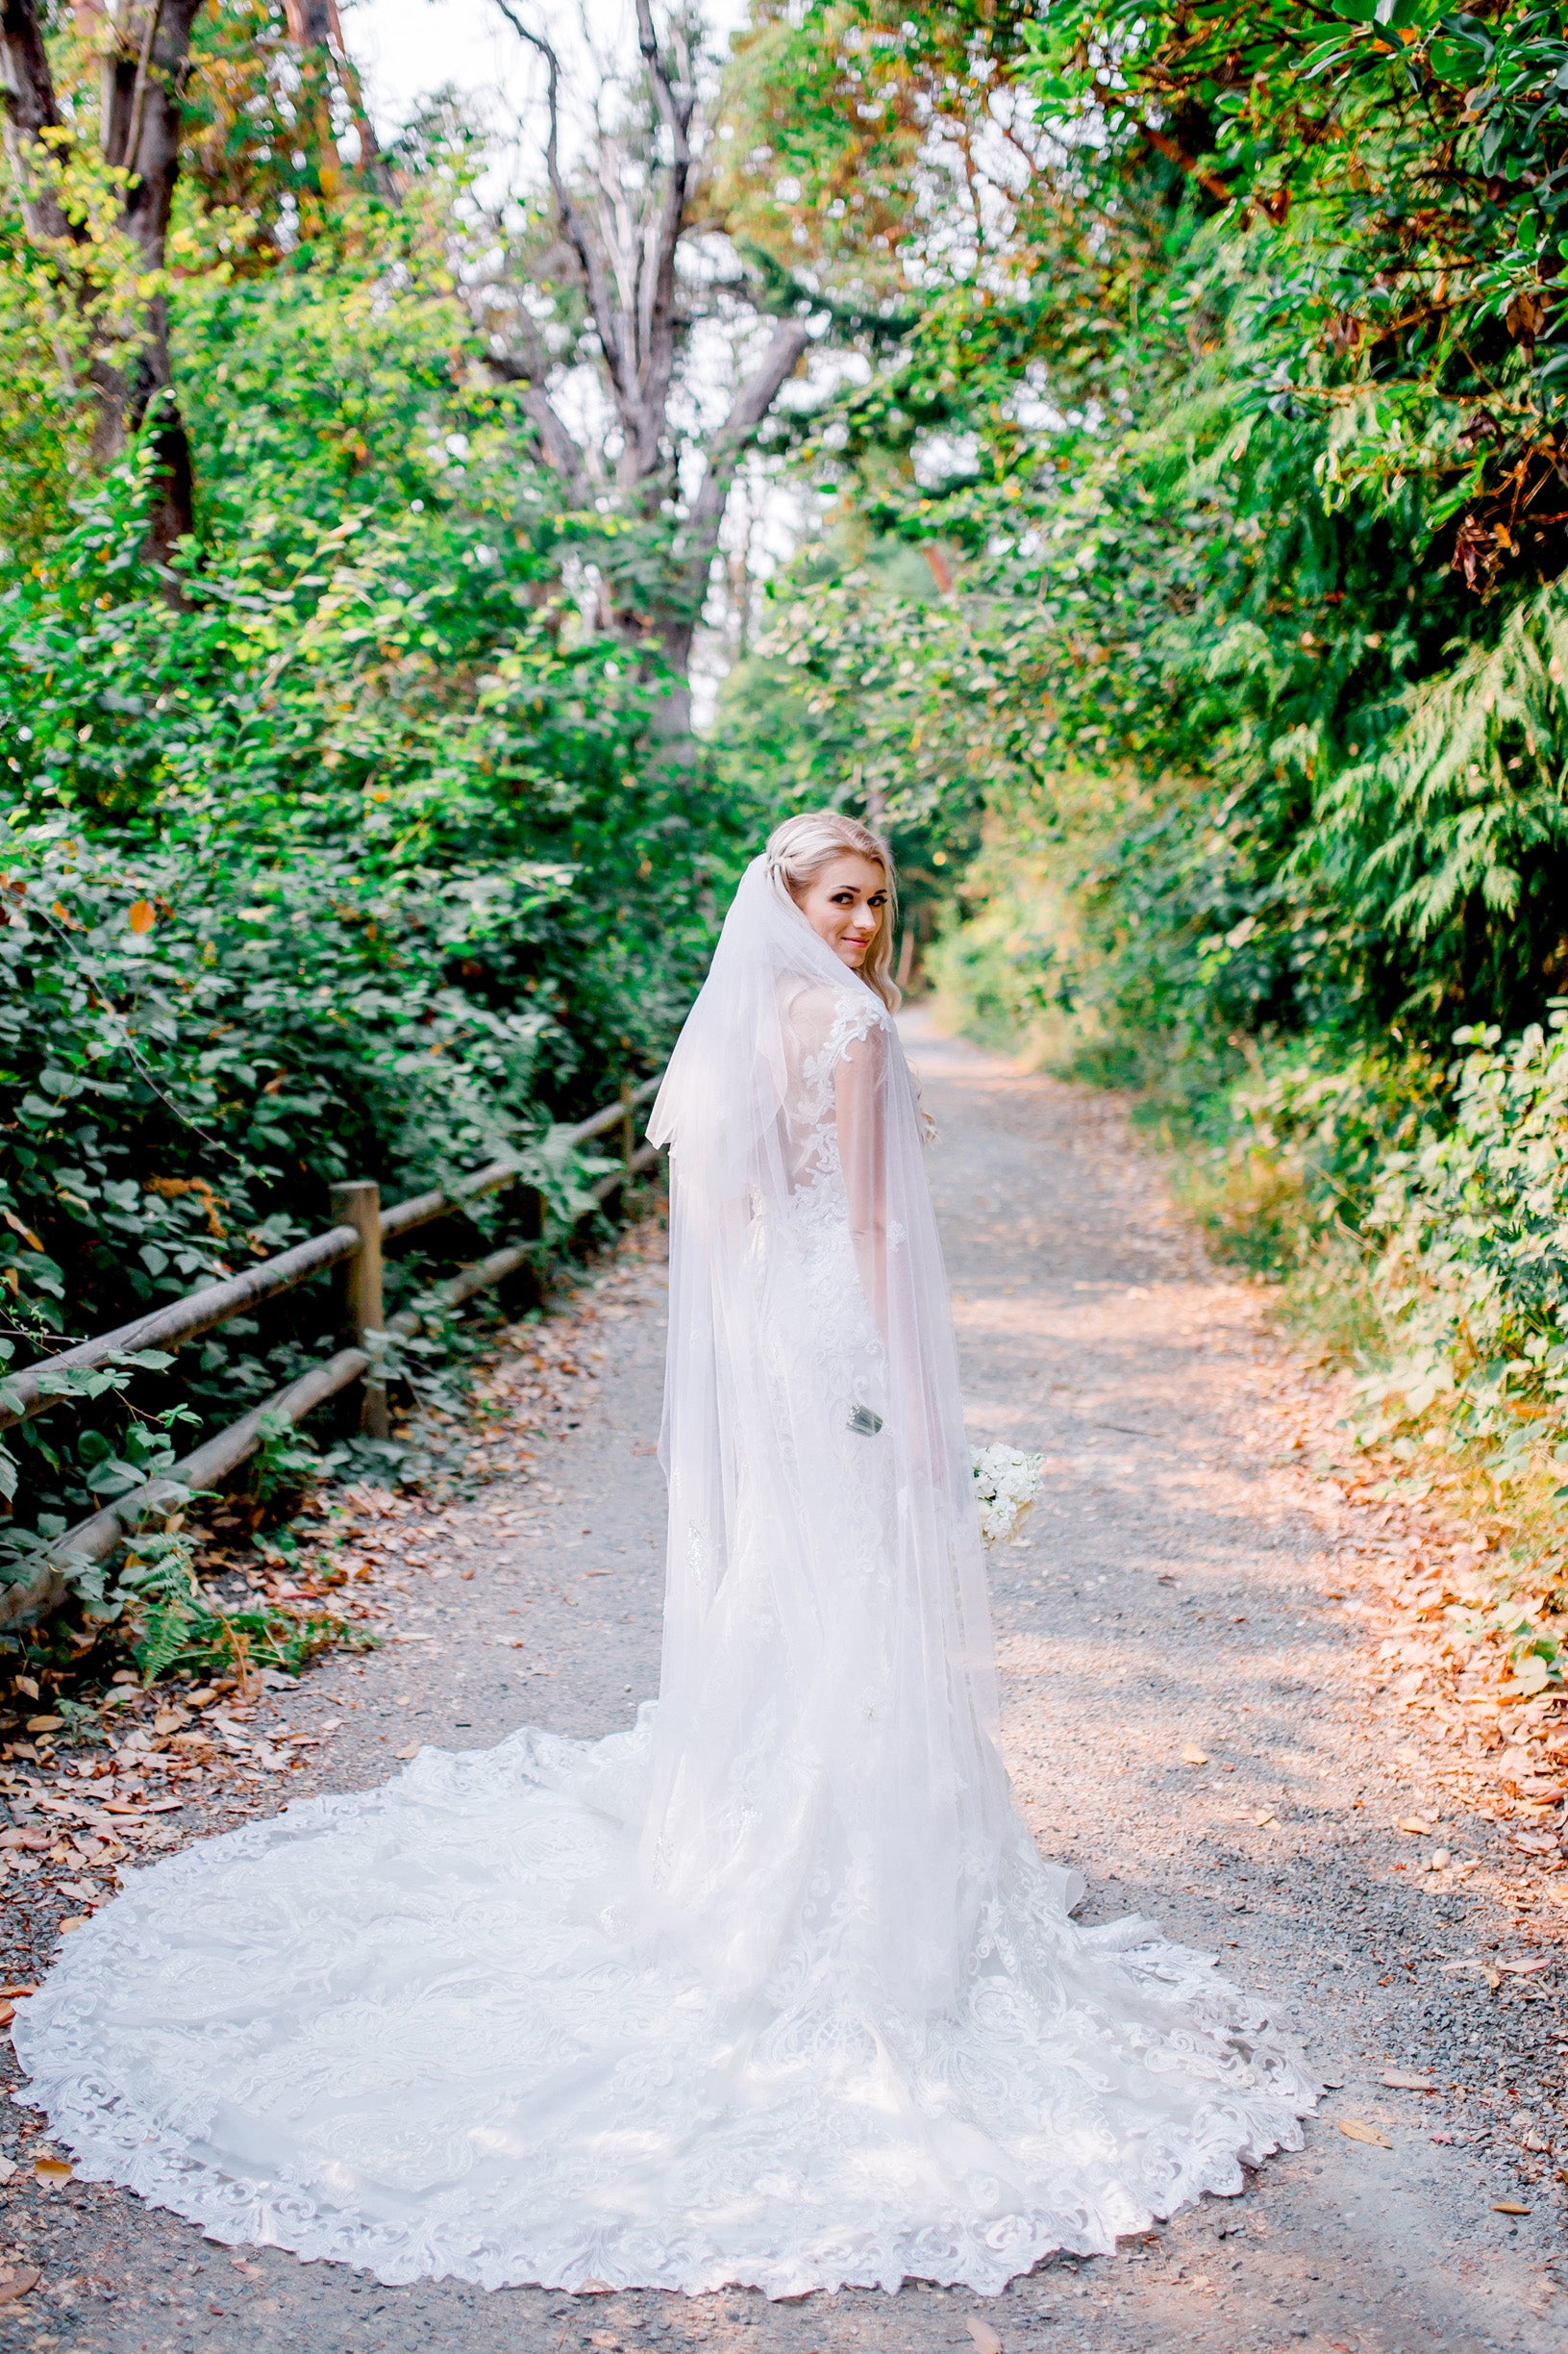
pixel 355 1242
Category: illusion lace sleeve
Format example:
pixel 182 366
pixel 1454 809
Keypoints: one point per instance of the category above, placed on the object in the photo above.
pixel 860 1083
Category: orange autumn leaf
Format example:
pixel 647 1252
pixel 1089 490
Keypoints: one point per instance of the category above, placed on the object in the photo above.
pixel 142 917
pixel 1356 2129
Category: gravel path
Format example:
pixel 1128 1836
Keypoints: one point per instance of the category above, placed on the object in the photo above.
pixel 1195 1712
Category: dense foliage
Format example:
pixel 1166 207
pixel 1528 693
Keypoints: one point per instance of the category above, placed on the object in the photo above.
pixel 1232 444
pixel 340 849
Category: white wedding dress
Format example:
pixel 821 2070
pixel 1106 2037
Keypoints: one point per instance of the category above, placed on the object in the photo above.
pixel 773 1987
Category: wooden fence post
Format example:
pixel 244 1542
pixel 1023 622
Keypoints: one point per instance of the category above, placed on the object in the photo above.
pixel 358 1204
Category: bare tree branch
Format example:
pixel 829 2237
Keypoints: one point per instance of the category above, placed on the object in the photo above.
pixel 786 345
pixel 572 224
pixel 530 368
pixel 625 220
pixel 675 112
pixel 661 328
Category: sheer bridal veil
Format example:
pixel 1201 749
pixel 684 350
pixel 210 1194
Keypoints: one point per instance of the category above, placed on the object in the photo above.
pixel 825 1752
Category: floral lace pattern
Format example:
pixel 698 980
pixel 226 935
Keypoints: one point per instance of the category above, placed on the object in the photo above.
pixel 397 2029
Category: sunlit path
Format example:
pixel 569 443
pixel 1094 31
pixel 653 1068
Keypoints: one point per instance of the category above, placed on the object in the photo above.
pixel 1182 1719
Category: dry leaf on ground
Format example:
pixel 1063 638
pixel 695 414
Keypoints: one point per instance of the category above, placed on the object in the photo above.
pixel 1508 2206
pixel 1192 1755
pixel 1264 1820
pixel 1356 2129
pixel 53 2170
pixel 16 2281
pixel 984 2337
pixel 1400 2080
pixel 1414 1823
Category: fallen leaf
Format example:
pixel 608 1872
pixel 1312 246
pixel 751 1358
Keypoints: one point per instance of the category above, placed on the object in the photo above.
pixel 1192 1755
pixel 1508 2206
pixel 1356 2129
pixel 1524 1968
pixel 1414 1823
pixel 1265 1818
pixel 142 916
pixel 411 1751
pixel 53 2170
pixel 23 2278
pixel 1400 2080
pixel 604 2338
pixel 7 2012
pixel 984 2337
pixel 10 1993
pixel 44 1725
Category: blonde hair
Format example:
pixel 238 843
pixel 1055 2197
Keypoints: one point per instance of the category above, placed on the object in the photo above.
pixel 798 851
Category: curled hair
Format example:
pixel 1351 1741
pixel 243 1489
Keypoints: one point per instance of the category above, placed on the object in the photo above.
pixel 798 851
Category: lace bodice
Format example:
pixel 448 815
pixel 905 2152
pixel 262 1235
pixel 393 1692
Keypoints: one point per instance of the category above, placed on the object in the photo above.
pixel 820 1027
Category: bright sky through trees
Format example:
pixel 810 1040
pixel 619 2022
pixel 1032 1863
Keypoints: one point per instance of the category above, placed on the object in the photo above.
pixel 407 48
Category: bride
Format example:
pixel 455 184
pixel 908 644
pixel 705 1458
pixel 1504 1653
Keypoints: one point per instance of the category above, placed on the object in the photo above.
pixel 773 1989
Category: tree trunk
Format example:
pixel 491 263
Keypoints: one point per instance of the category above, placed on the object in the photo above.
pixel 141 117
pixel 623 230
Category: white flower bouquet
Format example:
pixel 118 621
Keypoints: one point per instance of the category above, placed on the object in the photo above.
pixel 1007 1482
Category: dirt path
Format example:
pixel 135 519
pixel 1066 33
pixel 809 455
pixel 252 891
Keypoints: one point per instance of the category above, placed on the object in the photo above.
pixel 1188 1584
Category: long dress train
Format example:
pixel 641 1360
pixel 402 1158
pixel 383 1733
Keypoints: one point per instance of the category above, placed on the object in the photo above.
pixel 774 1987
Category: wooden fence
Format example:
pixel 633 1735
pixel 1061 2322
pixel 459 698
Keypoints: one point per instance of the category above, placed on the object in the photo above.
pixel 355 1242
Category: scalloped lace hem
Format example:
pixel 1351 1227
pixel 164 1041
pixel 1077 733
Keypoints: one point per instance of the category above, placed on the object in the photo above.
pixel 401 2030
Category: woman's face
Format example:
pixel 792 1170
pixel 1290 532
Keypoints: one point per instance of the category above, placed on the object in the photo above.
pixel 844 905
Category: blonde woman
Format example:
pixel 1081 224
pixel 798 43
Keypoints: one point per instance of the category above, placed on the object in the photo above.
pixel 772 1989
